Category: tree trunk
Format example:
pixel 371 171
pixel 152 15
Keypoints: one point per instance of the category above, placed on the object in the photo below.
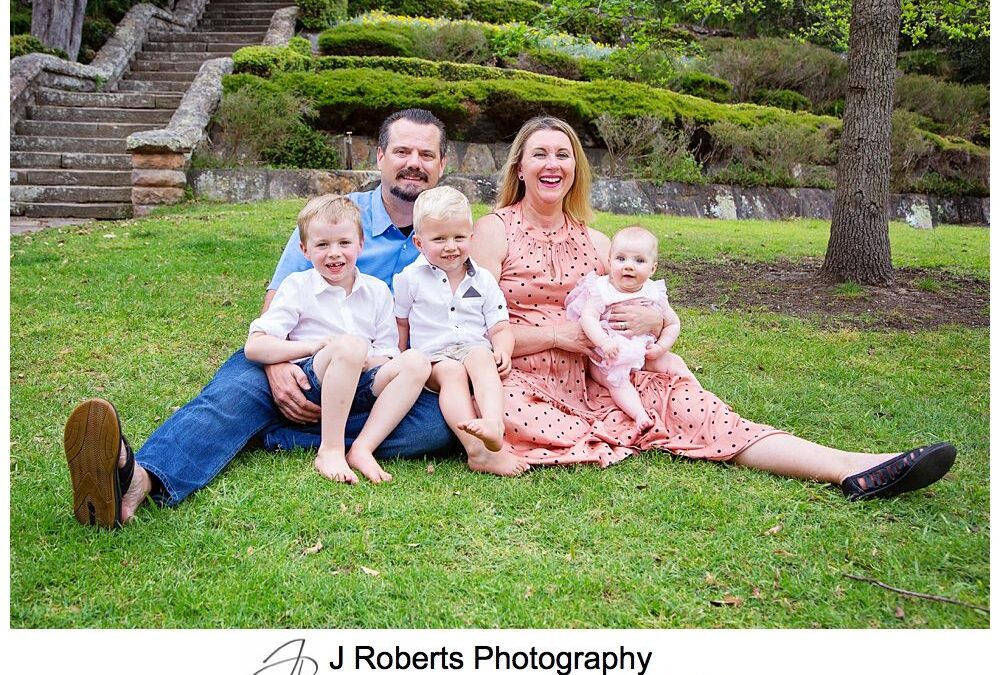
pixel 59 24
pixel 858 249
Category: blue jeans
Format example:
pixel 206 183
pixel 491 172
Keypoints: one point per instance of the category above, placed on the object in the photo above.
pixel 188 450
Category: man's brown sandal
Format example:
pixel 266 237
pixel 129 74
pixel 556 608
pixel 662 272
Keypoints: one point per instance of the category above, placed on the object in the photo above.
pixel 903 473
pixel 92 441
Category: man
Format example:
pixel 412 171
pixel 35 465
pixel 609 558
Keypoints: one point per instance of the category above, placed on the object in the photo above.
pixel 199 440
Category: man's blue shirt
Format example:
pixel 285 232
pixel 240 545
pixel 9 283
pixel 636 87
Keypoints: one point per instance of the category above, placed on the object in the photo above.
pixel 386 251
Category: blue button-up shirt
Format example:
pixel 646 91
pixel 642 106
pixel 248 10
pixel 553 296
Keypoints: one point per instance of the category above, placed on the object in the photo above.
pixel 386 251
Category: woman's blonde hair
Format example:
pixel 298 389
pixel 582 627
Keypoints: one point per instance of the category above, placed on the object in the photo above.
pixel 576 204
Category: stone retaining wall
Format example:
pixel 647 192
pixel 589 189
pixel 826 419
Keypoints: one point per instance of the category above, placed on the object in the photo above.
pixel 616 196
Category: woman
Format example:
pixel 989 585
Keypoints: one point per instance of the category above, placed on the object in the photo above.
pixel 538 246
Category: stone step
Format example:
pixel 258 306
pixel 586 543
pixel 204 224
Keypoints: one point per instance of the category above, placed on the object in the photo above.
pixel 67 177
pixel 159 77
pixel 193 47
pixel 245 10
pixel 101 100
pixel 60 194
pixel 70 160
pixel 220 25
pixel 168 94
pixel 81 129
pixel 67 144
pixel 158 116
pixel 156 66
pixel 207 36
pixel 179 57
pixel 106 211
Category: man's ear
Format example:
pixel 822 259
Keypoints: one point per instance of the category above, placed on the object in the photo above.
pixel 378 158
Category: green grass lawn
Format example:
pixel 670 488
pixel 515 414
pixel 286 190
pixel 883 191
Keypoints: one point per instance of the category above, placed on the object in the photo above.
pixel 143 312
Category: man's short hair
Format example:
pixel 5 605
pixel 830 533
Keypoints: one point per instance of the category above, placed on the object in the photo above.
pixel 440 203
pixel 417 116
pixel 329 208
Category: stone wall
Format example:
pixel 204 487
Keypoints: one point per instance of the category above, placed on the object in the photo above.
pixel 616 196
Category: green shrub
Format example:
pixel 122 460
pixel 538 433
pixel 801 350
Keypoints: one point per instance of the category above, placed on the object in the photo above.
pixel 267 61
pixel 770 63
pixel 304 148
pixel 319 14
pixel 637 63
pixel 457 41
pixel 768 154
pixel 703 85
pixel 960 109
pixel 448 9
pixel 253 121
pixel 502 11
pixel 595 69
pixel 350 39
pixel 20 18
pixel 781 98
pixel 909 149
pixel 549 62
pixel 21 45
pixel 924 62
pixel 300 45
pixel 933 183
pixel 96 32
pixel 441 70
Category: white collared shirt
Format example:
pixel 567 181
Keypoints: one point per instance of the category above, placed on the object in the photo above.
pixel 439 318
pixel 307 307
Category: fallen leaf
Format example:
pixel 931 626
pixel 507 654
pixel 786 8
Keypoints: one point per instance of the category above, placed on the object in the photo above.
pixel 520 521
pixel 340 570
pixel 900 614
pixel 358 509
pixel 315 548
pixel 774 530
pixel 783 552
pixel 343 507
pixel 457 493
pixel 756 592
pixel 710 579
pixel 110 236
pixel 250 550
pixel 413 545
pixel 430 468
pixel 369 571
pixel 728 600
pixel 529 592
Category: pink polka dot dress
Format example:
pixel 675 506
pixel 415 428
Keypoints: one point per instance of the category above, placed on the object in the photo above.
pixel 553 414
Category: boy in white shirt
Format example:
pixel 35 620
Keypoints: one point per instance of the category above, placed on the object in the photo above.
pixel 455 313
pixel 340 329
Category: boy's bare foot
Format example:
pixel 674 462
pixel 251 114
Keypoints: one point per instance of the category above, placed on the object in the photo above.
pixel 137 490
pixel 331 463
pixel 502 463
pixel 488 431
pixel 366 464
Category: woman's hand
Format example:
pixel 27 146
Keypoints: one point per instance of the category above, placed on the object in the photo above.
pixel 287 382
pixel 632 320
pixel 570 337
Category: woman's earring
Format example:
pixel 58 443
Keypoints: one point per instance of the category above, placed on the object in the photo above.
pixel 520 177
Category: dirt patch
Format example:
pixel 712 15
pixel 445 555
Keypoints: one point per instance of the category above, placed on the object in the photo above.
pixel 920 298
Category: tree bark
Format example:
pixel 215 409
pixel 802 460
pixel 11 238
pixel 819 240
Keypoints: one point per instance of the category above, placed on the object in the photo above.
pixel 59 24
pixel 858 249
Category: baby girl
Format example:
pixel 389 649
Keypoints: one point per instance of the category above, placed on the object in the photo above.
pixel 633 260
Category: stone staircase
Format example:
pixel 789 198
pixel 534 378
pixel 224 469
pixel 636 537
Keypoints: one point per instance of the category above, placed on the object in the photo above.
pixel 68 157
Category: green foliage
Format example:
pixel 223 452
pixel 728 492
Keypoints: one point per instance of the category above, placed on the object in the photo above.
pixel 502 11
pixel 933 183
pixel 549 62
pixel 300 45
pixel 303 148
pixel 909 149
pixel 256 122
pixel 703 85
pixel 959 109
pixel 457 41
pixel 20 18
pixel 448 9
pixel 441 70
pixel 767 154
pixel 21 45
pixel 318 14
pixel 924 62
pixel 351 39
pixel 770 63
pixel 267 61
pixel 781 98
pixel 96 32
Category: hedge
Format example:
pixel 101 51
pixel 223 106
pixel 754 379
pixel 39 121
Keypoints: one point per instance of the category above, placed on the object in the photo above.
pixel 490 11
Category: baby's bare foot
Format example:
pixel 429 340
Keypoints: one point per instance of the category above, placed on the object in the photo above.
pixel 331 464
pixel 490 432
pixel 645 423
pixel 366 464
pixel 502 463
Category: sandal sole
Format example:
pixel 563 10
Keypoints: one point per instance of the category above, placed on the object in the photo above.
pixel 931 466
pixel 92 442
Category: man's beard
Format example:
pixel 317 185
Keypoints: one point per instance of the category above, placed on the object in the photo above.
pixel 409 193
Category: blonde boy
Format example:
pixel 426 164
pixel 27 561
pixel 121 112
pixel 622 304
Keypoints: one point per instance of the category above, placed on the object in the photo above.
pixel 337 324
pixel 454 312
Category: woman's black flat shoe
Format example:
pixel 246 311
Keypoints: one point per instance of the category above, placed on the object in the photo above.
pixel 904 473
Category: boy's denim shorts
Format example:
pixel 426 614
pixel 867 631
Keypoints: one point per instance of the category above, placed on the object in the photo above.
pixel 364 397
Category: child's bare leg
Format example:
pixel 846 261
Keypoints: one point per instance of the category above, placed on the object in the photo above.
pixel 672 364
pixel 397 385
pixel 338 366
pixel 625 397
pixel 482 370
pixel 451 381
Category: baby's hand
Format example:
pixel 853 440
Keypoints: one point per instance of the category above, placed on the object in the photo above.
pixel 655 351
pixel 502 359
pixel 610 349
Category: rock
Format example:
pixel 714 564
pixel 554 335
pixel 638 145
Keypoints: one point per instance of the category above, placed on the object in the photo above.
pixel 157 195
pixel 158 178
pixel 159 160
